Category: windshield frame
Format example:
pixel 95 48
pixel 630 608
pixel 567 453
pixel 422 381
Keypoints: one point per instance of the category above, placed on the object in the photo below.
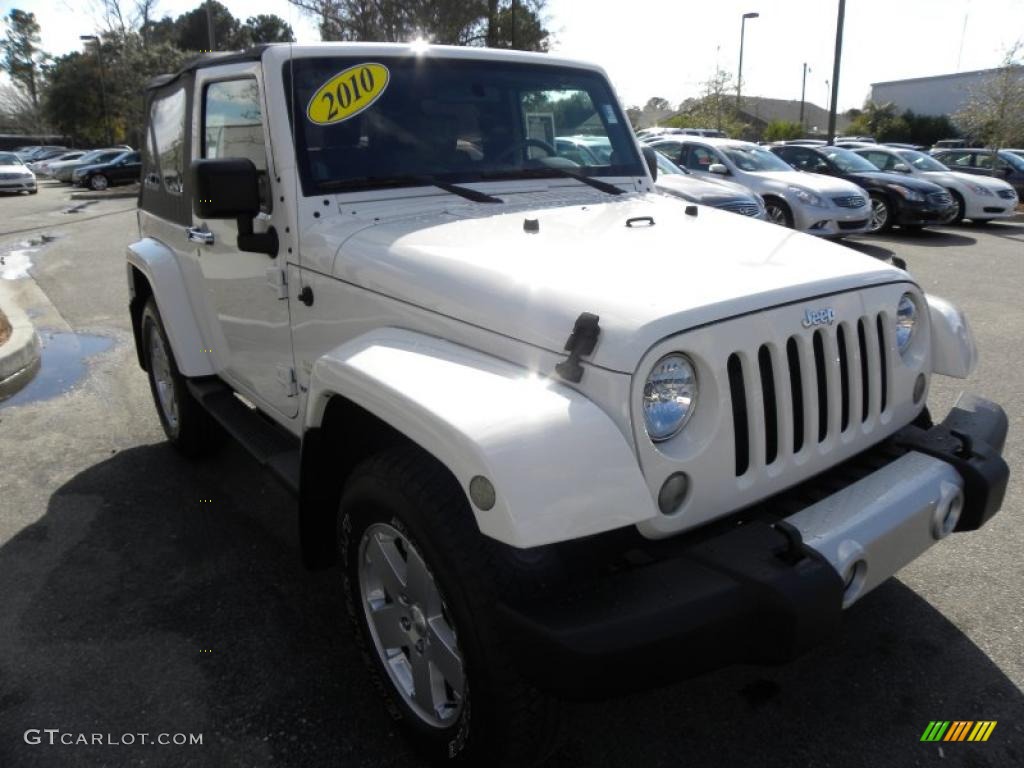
pixel 605 104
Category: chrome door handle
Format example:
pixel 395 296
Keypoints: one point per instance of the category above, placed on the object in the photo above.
pixel 204 236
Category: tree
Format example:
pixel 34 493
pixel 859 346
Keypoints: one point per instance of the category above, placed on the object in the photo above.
pixel 715 108
pixel 266 28
pixel 995 113
pixel 17 112
pixel 497 23
pixel 192 29
pixel 20 54
pixel 881 122
pixel 781 130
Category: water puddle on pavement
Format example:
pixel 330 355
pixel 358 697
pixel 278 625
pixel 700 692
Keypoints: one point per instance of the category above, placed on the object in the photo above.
pixel 16 262
pixel 63 364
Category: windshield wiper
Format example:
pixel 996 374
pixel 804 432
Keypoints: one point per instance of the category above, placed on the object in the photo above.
pixel 385 182
pixel 548 172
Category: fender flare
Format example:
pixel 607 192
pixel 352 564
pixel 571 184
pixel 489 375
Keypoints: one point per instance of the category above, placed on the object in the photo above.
pixel 560 467
pixel 158 265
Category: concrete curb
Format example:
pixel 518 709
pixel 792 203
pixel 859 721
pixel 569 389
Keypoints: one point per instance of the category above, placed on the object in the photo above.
pixel 19 356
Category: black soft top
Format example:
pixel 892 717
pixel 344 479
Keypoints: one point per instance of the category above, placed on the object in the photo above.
pixel 208 60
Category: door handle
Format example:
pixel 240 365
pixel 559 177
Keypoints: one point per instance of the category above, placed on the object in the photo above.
pixel 195 235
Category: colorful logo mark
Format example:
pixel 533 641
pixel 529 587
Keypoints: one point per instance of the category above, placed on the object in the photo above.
pixel 958 730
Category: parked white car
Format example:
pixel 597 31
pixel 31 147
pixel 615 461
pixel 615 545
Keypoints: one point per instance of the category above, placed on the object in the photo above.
pixel 978 198
pixel 717 193
pixel 817 205
pixel 42 167
pixel 15 175
pixel 559 433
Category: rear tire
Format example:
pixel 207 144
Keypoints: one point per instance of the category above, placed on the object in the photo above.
pixel 186 423
pixel 405 506
pixel 98 182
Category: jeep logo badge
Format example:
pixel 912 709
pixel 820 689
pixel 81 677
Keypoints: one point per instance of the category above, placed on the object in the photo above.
pixel 813 317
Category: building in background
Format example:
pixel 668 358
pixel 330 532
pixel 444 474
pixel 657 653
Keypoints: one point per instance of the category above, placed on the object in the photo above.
pixel 758 111
pixel 936 95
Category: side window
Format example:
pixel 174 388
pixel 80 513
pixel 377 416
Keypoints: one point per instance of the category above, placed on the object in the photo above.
pixel 233 126
pixel 958 160
pixel 880 159
pixel 701 158
pixel 167 120
pixel 671 150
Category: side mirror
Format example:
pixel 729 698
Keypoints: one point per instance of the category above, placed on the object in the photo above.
pixel 901 168
pixel 652 161
pixel 719 169
pixel 229 188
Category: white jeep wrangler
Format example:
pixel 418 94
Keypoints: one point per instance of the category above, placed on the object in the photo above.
pixel 565 436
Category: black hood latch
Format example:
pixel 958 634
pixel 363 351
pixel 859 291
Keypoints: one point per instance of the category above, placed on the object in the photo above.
pixel 581 342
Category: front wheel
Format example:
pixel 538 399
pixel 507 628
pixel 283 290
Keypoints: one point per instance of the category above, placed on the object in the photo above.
pixel 99 182
pixel 881 215
pixel 777 212
pixel 958 215
pixel 421 592
pixel 186 423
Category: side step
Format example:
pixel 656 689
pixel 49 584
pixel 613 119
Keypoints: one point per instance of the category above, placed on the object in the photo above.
pixel 273 447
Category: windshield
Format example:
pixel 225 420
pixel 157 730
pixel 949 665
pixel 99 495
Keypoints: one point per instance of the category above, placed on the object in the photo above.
pixel 667 167
pixel 9 158
pixel 847 161
pixel 1014 158
pixel 755 159
pixel 921 161
pixel 408 121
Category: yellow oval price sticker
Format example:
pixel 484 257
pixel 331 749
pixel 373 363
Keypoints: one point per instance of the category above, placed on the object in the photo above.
pixel 347 93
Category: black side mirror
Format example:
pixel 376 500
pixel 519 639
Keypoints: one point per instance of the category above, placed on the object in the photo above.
pixel 652 161
pixel 229 188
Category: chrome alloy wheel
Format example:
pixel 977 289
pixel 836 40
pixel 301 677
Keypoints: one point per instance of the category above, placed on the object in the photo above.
pixel 410 625
pixel 775 214
pixel 160 370
pixel 879 214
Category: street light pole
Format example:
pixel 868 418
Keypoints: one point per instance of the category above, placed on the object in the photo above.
pixel 209 27
pixel 739 74
pixel 835 72
pixel 803 94
pixel 103 87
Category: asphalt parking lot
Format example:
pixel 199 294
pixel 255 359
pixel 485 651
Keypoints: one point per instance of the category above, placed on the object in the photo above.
pixel 131 604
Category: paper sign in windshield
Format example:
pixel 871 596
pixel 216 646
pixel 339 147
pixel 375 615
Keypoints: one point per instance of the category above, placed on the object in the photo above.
pixel 348 93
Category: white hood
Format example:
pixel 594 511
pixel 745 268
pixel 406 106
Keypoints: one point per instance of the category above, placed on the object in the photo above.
pixel 12 168
pixel 478 264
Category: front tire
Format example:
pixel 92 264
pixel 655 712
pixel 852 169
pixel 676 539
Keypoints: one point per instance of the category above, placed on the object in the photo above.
pixel 186 423
pixel 958 215
pixel 421 591
pixel 777 212
pixel 881 215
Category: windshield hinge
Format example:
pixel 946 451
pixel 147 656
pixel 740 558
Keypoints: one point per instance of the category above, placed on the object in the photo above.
pixel 286 378
pixel 581 342
pixel 277 278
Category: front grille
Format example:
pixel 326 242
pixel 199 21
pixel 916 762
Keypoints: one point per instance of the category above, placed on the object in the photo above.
pixel 851 201
pixel 818 386
pixel 852 224
pixel 1007 194
pixel 9 176
pixel 741 206
pixel 940 198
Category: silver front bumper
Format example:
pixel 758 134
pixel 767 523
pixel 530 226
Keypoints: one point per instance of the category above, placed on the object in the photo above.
pixel 871 529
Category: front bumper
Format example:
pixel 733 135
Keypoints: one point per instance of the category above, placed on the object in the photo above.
pixel 833 220
pixel 916 213
pixel 768 589
pixel 17 185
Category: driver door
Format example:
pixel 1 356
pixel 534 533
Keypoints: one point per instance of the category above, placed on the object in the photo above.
pixel 245 302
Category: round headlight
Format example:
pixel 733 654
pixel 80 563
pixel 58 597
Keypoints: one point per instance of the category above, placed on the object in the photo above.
pixel 670 394
pixel 906 319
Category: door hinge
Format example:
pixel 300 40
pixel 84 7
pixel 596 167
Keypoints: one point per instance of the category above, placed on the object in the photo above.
pixel 286 378
pixel 277 278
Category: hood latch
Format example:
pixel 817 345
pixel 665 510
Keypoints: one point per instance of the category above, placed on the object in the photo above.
pixel 581 342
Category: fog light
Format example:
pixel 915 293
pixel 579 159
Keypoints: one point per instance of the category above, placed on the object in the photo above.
pixel 919 384
pixel 482 492
pixel 672 492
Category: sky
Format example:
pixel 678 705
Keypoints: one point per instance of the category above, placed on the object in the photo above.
pixel 668 48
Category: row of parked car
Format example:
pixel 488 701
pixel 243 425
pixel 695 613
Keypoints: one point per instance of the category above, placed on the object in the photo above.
pixel 96 168
pixel 832 190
